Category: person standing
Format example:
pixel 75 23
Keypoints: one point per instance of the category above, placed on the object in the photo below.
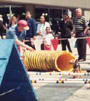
pixel 31 33
pixel 66 27
pixel 80 26
pixel 47 39
pixel 41 29
pixel 13 22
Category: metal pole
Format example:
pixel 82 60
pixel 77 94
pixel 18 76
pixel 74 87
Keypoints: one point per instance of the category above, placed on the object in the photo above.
pixel 10 12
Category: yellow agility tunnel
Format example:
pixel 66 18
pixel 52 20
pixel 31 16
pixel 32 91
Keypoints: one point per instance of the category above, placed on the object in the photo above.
pixel 48 60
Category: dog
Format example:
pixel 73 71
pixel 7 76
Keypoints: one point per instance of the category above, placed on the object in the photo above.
pixel 76 67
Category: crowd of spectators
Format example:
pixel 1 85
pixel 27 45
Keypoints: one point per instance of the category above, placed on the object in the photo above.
pixel 25 30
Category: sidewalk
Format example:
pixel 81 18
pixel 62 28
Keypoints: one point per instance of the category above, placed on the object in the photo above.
pixel 65 92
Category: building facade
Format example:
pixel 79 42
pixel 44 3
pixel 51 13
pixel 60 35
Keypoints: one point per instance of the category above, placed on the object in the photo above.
pixel 53 8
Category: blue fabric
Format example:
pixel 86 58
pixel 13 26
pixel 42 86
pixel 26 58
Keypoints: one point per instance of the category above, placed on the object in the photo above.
pixel 14 81
pixel 13 33
pixel 5 52
pixel 32 28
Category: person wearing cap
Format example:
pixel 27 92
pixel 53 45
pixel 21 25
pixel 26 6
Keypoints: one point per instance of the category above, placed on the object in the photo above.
pixel 66 27
pixel 18 33
pixel 31 33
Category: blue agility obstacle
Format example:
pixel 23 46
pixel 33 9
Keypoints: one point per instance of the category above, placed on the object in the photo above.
pixel 14 80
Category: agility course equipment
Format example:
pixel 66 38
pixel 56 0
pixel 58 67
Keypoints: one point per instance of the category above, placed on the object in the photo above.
pixel 56 77
pixel 59 73
pixel 48 60
pixel 14 80
pixel 59 79
pixel 62 82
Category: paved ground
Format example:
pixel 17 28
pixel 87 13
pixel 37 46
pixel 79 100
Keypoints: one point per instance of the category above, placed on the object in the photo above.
pixel 61 92
pixel 65 92
pixel 54 92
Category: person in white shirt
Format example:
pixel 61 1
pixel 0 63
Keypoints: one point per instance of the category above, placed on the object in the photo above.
pixel 41 28
pixel 47 39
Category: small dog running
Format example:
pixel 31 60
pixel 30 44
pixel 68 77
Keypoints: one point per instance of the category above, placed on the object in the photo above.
pixel 76 67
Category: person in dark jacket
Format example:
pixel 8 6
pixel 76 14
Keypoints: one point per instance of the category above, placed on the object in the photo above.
pixel 31 33
pixel 66 27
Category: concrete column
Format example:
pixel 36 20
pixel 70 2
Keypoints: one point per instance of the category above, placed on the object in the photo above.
pixel 87 14
pixel 31 8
